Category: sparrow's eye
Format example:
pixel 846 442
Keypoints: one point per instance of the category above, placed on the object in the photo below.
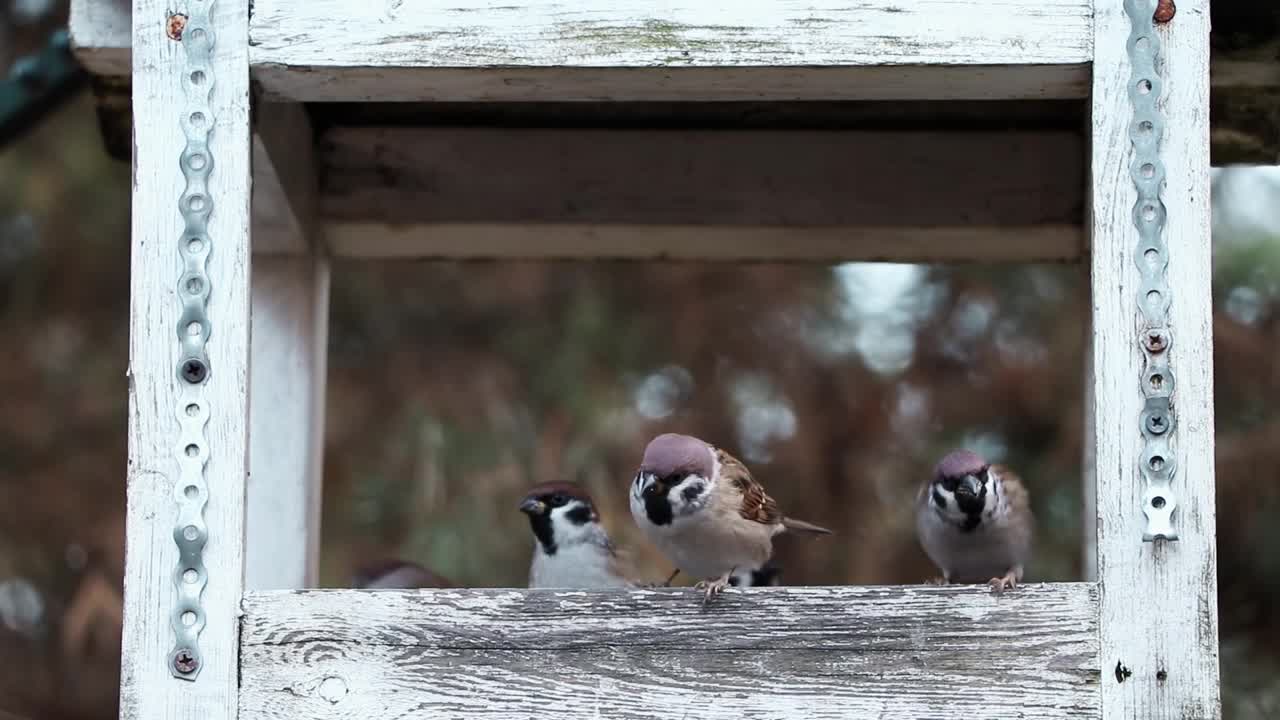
pixel 949 484
pixel 558 499
pixel 651 489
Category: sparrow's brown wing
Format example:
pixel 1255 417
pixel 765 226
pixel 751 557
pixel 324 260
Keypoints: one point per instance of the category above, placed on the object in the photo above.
pixel 1021 522
pixel 1015 492
pixel 757 506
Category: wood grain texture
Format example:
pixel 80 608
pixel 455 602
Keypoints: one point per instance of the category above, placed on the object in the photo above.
pixel 840 652
pixel 147 689
pixel 702 177
pixel 636 49
pixel 555 241
pixel 287 410
pixel 1159 614
pixel 818 195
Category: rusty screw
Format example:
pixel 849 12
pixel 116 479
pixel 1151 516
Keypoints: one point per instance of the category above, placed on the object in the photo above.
pixel 1155 341
pixel 185 662
pixel 177 22
pixel 1165 10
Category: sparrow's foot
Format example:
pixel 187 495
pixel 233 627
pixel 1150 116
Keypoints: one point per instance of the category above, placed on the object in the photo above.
pixel 712 588
pixel 673 577
pixel 1008 582
pixel 936 581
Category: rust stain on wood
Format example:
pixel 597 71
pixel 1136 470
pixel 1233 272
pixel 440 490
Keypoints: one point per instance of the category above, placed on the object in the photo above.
pixel 1165 10
pixel 177 23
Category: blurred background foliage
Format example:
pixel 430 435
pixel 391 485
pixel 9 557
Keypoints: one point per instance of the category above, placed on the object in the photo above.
pixel 454 386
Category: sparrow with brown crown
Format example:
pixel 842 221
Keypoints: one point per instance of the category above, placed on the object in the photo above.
pixel 974 521
pixel 702 508
pixel 571 549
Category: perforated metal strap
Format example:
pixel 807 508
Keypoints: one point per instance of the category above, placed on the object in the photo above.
pixel 195 204
pixel 1157 421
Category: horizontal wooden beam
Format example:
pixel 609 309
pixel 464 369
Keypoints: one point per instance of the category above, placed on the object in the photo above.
pixel 327 50
pixel 816 652
pixel 1245 80
pixel 554 241
pixel 701 194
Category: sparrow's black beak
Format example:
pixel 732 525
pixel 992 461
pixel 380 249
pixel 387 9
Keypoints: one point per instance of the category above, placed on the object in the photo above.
pixel 533 506
pixel 968 486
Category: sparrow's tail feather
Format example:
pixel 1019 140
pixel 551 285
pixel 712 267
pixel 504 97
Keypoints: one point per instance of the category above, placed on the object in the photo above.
pixel 801 526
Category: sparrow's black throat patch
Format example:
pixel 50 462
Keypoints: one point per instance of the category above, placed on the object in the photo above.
pixel 541 524
pixel 971 506
pixel 657 506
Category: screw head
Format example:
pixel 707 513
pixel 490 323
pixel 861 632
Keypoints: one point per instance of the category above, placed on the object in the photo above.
pixel 1157 424
pixel 185 662
pixel 194 371
pixel 176 23
pixel 1155 341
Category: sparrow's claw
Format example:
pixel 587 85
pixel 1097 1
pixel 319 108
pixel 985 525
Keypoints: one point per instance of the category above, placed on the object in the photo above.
pixel 672 577
pixel 936 581
pixel 1000 584
pixel 712 588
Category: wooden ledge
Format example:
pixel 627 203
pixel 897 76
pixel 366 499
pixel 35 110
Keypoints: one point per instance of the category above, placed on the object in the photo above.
pixel 793 652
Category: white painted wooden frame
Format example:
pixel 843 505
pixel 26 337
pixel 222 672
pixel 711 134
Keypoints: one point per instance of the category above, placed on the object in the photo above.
pixel 147 688
pixel 1140 642
pixel 1159 610
pixel 686 194
pixel 685 50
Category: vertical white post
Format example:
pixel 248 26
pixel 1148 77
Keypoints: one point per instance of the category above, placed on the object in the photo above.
pixel 148 688
pixel 1159 613
pixel 1088 466
pixel 290 338
pixel 290 331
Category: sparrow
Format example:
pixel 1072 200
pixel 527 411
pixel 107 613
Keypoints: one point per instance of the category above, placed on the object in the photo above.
pixel 700 506
pixel 974 521
pixel 571 548
pixel 397 574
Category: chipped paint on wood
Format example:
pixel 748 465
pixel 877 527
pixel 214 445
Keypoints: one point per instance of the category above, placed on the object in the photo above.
pixel 636 50
pixel 817 652
pixel 147 689
pixel 1159 608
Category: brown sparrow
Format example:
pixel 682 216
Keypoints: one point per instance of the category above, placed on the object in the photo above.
pixel 397 574
pixel 572 549
pixel 705 512
pixel 974 521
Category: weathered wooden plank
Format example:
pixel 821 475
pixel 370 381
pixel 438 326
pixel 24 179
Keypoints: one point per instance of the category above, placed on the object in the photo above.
pixel 554 241
pixel 702 177
pixel 290 349
pixel 329 50
pixel 148 690
pixel 804 194
pixel 836 652
pixel 1159 615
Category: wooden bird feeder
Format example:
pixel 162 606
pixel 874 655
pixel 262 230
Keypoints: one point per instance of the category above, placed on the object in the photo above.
pixel 897 130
